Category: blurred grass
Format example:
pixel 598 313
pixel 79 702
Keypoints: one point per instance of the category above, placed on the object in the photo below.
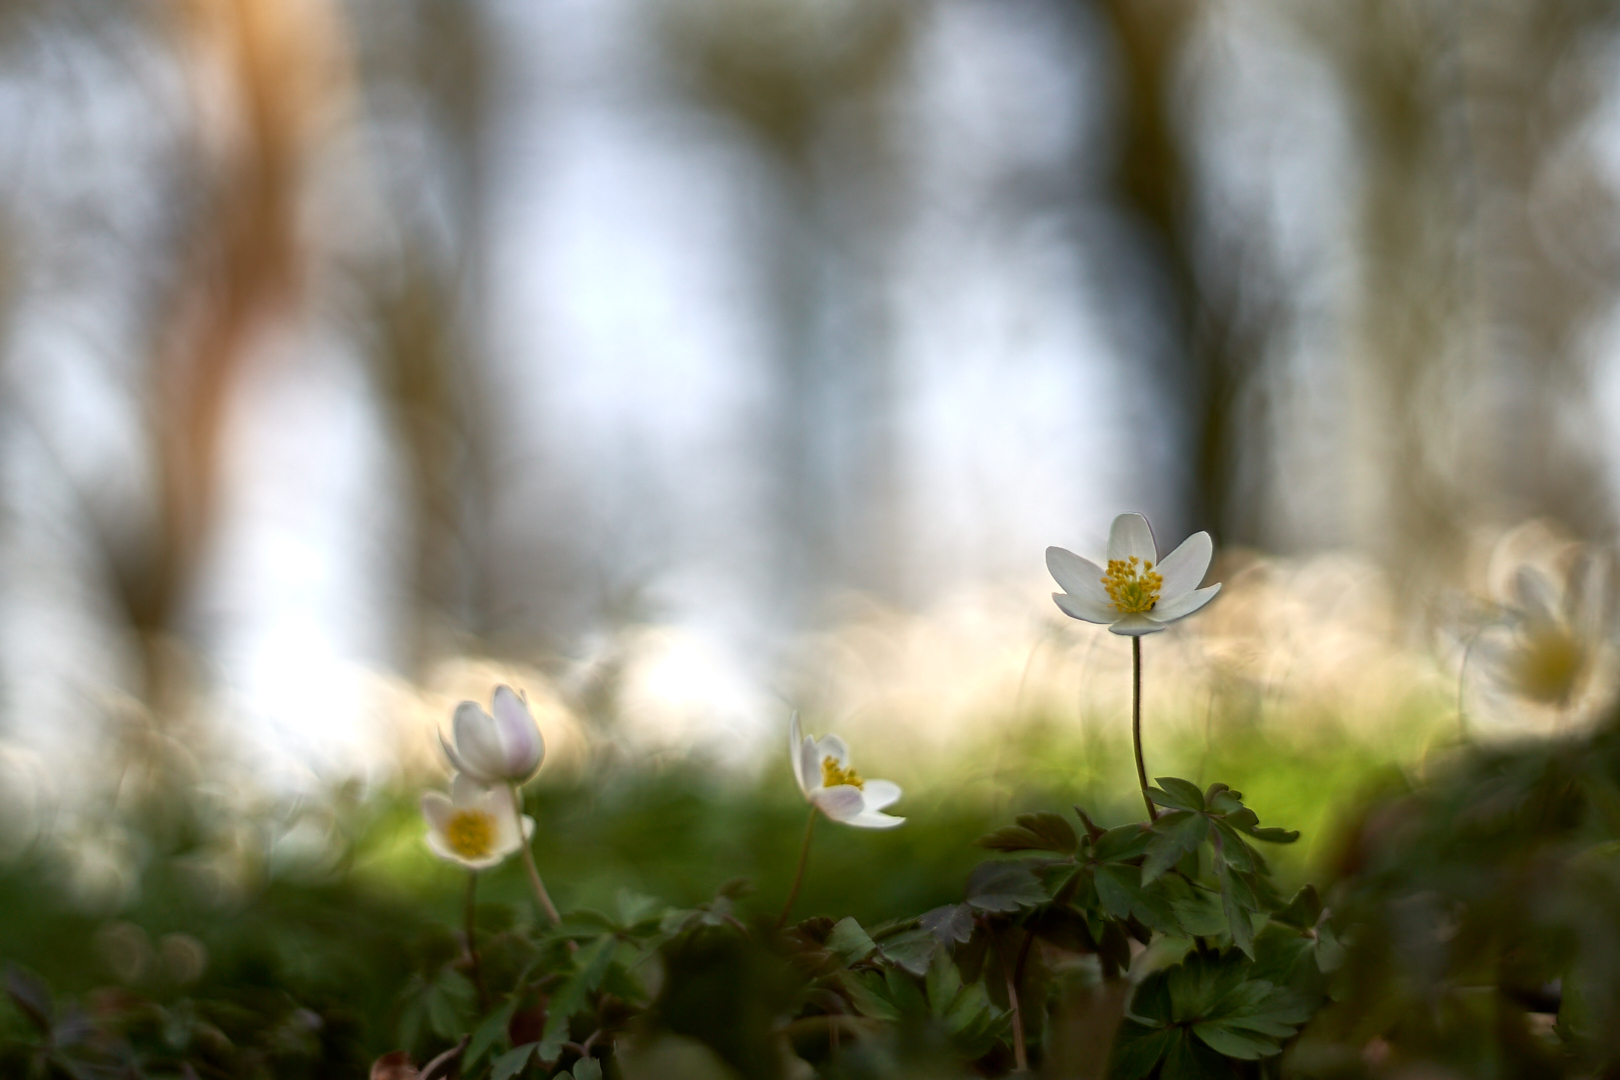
pixel 341 928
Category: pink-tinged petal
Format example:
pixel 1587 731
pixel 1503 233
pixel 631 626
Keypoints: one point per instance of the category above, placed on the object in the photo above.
pixel 1131 535
pixel 1184 605
pixel 1136 626
pixel 477 743
pixel 869 820
pixel 522 747
pixel 839 802
pixel 880 793
pixel 449 749
pixel 437 808
pixel 831 746
pixel 467 791
pixel 1080 578
pixel 1184 568
pixel 1079 607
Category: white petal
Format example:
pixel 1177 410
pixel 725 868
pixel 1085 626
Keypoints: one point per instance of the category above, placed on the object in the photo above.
pixel 839 802
pixel 450 752
pixel 831 746
pixel 1184 568
pixel 466 790
pixel 1130 535
pixel 1082 608
pixel 1537 596
pixel 1079 577
pixel 870 820
pixel 476 742
pixel 522 748
pixel 528 828
pixel 1136 626
pixel 1182 606
pixel 880 793
pixel 436 844
pixel 798 749
pixel 437 808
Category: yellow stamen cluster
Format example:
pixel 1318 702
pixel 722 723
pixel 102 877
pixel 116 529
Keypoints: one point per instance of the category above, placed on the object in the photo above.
pixel 471 834
pixel 832 774
pixel 1132 585
pixel 1548 665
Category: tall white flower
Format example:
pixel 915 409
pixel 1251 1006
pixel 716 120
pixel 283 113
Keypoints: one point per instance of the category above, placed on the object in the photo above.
pixel 1137 594
pixel 821 766
pixel 503 748
pixel 474 826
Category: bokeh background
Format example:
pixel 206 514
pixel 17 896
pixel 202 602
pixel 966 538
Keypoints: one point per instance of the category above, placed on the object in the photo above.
pixel 689 362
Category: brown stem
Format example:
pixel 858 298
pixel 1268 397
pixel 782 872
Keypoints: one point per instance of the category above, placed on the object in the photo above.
pixel 1020 1053
pixel 472 942
pixel 541 897
pixel 1136 723
pixel 798 875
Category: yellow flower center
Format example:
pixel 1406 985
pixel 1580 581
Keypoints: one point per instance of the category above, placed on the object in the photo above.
pixel 1132 585
pixel 832 774
pixel 1548 665
pixel 471 834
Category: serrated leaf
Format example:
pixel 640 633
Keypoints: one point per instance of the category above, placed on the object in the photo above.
pixel 1058 834
pixel 590 965
pixel 868 993
pixel 1178 833
pixel 1124 842
pixel 449 1001
pixel 1004 886
pixel 1178 794
pixel 952 922
pixel 904 992
pixel 942 983
pixel 587 1069
pixel 911 950
pixel 634 908
pixel 511 1063
pixel 1303 910
pixel 1093 830
pixel 490 1031
pixel 1235 1044
pixel 1237 914
pixel 850 941
pixel 1138 1048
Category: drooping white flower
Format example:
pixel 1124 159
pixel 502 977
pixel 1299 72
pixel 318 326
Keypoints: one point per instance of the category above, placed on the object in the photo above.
pixel 1137 594
pixel 821 766
pixel 474 826
pixel 503 748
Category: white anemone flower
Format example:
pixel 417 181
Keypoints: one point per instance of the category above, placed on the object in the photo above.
pixel 503 748
pixel 821 766
pixel 1137 594
pixel 474 826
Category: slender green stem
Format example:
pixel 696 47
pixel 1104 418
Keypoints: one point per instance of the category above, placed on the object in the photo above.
pixel 472 942
pixel 1136 723
pixel 798 875
pixel 541 897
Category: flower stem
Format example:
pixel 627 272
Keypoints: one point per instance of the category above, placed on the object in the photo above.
pixel 798 875
pixel 472 942
pixel 541 897
pixel 1136 723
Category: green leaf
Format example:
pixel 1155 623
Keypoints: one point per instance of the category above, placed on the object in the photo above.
pixel 867 991
pixel 1233 892
pixel 952 922
pixel 590 965
pixel 1004 886
pixel 489 1032
pixel 1190 1059
pixel 1138 1048
pixel 911 950
pixel 1034 832
pixel 905 994
pixel 942 983
pixel 1178 794
pixel 635 909
pixel 1093 830
pixel 1303 911
pixel 1275 836
pixel 1179 832
pixel 1124 842
pixel 850 942
pixel 449 1004
pixel 587 1069
pixel 511 1063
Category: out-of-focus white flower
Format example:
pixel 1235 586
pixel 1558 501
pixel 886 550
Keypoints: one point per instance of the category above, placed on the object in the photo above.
pixel 474 826
pixel 503 748
pixel 1136 594
pixel 1556 637
pixel 821 766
